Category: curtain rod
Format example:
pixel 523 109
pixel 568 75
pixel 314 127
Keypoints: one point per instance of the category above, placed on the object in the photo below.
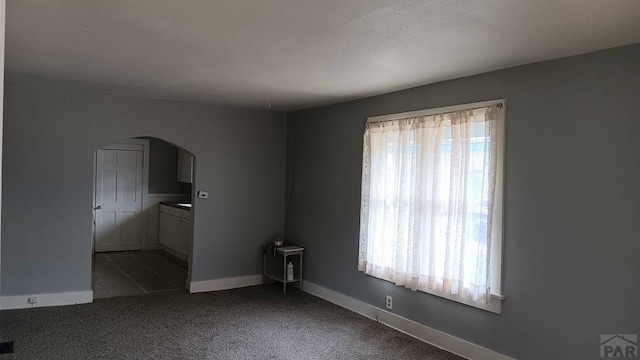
pixel 436 111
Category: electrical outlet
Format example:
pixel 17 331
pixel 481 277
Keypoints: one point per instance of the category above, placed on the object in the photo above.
pixel 32 300
pixel 389 302
pixel 6 347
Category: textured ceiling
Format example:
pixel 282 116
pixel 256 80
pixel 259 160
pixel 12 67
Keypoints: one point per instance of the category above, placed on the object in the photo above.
pixel 298 54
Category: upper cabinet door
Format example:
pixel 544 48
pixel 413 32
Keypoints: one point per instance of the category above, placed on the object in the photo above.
pixel 185 166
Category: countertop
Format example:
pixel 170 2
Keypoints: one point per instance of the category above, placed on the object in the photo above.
pixel 179 205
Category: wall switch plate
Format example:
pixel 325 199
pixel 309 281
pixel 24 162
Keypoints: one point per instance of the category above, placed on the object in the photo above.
pixel 32 300
pixel 389 302
pixel 203 194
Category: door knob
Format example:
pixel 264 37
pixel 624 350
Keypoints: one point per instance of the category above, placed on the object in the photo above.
pixel 97 207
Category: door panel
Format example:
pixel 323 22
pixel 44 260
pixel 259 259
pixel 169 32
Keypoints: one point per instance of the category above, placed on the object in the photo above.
pixel 108 193
pixel 127 186
pixel 106 221
pixel 118 200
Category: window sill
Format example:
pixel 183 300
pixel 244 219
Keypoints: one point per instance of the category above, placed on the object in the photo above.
pixel 494 305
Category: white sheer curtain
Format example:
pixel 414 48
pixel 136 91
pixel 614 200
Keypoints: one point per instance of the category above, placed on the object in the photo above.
pixel 428 189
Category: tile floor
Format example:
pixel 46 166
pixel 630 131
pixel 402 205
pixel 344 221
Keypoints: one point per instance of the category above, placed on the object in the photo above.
pixel 135 272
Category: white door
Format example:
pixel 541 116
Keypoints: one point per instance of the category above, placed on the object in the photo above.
pixel 118 200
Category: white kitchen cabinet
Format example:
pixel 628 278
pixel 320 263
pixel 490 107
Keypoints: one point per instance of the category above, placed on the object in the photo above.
pixel 175 231
pixel 185 166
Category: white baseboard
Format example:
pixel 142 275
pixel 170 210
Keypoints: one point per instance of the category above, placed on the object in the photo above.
pixel 421 332
pixel 44 300
pixel 224 284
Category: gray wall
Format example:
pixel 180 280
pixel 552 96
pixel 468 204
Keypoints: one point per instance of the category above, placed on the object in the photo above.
pixel 52 129
pixel 572 204
pixel 163 169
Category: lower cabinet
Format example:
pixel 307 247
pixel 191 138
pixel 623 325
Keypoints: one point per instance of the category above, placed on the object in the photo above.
pixel 175 233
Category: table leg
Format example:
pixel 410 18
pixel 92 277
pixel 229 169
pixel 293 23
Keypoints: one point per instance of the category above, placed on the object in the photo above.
pixel 284 273
pixel 300 272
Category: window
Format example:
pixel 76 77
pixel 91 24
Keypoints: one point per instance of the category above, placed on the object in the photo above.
pixel 431 208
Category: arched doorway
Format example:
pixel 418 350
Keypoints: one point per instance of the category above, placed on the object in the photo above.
pixel 142 218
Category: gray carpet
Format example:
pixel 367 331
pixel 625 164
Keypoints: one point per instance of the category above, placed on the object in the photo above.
pixel 258 322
